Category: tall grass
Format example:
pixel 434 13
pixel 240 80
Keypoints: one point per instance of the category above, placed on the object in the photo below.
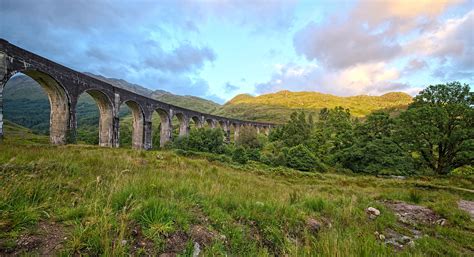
pixel 100 194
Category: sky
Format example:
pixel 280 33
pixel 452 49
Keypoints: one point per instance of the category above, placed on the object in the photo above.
pixel 217 49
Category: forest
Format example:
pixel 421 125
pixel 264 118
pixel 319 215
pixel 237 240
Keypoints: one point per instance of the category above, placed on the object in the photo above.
pixel 435 135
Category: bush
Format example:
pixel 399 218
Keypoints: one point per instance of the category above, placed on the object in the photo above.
pixel 248 138
pixel 300 158
pixel 466 170
pixel 239 155
pixel 202 140
pixel 274 154
pixel 379 156
pixel 253 154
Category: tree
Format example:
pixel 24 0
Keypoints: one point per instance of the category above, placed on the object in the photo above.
pixel 439 126
pixel 274 154
pixel 297 130
pixel 248 138
pixel 301 158
pixel 239 155
pixel 333 132
pixel 374 150
pixel 378 156
pixel 202 139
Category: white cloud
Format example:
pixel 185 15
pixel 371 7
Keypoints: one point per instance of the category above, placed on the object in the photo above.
pixel 373 78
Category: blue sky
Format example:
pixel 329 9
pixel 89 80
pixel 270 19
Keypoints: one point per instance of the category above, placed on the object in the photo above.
pixel 219 48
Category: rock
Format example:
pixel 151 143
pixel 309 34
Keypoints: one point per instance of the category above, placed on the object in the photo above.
pixel 405 239
pixel 382 237
pixel 441 222
pixel 197 250
pixel 411 214
pixel 467 206
pixel 372 212
pixel 313 225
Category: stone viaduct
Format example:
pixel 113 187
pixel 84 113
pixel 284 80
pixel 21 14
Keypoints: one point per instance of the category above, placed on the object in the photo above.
pixel 64 86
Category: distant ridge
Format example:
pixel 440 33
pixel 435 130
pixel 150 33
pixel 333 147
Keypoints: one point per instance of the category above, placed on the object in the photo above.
pixel 277 106
pixel 186 101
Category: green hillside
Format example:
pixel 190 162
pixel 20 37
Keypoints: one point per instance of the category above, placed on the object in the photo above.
pixel 277 107
pixel 186 101
pixel 189 102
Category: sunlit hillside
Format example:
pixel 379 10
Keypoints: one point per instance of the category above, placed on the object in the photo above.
pixel 277 106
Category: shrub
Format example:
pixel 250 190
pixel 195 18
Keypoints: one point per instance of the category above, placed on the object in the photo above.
pixel 248 138
pixel 274 154
pixel 202 140
pixel 300 158
pixel 239 155
pixel 466 170
pixel 379 156
pixel 253 154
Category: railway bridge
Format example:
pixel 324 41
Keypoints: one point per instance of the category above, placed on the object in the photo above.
pixel 64 86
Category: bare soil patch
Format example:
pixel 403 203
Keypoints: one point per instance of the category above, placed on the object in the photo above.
pixel 47 240
pixel 175 244
pixel 140 243
pixel 411 214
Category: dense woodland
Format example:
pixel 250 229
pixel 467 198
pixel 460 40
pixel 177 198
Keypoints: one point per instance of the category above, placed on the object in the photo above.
pixel 435 135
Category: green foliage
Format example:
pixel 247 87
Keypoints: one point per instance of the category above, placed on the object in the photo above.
pixel 466 170
pixel 297 130
pixel 274 154
pixel 202 139
pixel 378 156
pixel 374 150
pixel 239 155
pixel 300 158
pixel 248 138
pixel 439 125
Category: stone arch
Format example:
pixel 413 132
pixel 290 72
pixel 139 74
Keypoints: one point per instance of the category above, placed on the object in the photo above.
pixel 106 116
pixel 211 122
pixel 197 121
pixel 166 129
pixel 59 102
pixel 138 121
pixel 183 123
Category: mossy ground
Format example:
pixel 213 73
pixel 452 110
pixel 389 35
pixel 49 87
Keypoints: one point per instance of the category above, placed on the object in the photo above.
pixel 106 200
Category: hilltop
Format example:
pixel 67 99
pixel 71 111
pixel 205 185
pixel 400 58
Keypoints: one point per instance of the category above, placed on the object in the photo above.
pixel 277 106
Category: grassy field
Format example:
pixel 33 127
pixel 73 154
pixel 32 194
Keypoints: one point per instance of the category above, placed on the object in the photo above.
pixel 88 200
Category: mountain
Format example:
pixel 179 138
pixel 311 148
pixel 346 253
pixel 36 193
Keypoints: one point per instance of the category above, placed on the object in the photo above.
pixel 276 107
pixel 186 101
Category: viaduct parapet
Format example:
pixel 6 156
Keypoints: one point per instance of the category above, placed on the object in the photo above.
pixel 64 86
